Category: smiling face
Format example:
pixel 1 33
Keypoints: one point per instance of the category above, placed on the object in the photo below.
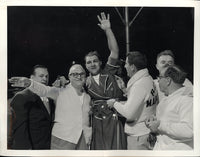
pixel 163 62
pixel 93 64
pixel 41 75
pixel 77 76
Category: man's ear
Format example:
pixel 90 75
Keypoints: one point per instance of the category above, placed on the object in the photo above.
pixel 31 76
pixel 169 80
pixel 133 67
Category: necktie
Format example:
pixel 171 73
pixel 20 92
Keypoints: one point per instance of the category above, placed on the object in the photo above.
pixel 46 104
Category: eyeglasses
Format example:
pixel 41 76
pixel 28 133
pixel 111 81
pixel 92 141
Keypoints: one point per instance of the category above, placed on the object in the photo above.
pixel 77 75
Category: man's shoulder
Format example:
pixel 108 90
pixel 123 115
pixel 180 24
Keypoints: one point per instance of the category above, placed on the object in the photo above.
pixel 145 84
pixel 67 88
pixel 67 91
pixel 23 92
pixel 187 83
pixel 26 94
pixel 146 80
pixel 22 98
pixel 112 66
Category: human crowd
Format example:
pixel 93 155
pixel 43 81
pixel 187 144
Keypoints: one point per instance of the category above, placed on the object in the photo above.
pixel 101 111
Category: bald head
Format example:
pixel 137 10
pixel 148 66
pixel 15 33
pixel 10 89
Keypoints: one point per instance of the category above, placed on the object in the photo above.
pixel 76 68
pixel 77 76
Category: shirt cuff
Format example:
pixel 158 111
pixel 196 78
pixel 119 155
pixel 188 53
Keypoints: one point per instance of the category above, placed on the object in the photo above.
pixel 113 62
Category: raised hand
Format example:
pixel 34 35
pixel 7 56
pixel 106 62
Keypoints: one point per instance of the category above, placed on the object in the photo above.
pixel 104 24
pixel 19 81
pixel 61 81
pixel 104 21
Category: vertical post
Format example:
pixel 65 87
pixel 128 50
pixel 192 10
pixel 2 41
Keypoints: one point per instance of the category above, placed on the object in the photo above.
pixel 127 29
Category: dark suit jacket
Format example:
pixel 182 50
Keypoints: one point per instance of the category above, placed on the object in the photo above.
pixel 33 124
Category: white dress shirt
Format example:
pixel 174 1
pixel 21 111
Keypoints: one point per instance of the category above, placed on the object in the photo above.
pixel 72 111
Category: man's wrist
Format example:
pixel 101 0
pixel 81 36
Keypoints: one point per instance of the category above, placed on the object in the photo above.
pixel 108 29
pixel 114 103
pixel 27 82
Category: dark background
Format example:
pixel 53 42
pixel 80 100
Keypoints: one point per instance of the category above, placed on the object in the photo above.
pixel 56 36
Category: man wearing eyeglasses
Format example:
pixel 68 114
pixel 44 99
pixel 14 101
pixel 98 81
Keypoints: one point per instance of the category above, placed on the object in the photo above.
pixel 174 114
pixel 165 59
pixel 71 129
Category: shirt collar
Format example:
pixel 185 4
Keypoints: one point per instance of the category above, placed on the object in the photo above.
pixel 139 74
pixel 74 90
pixel 177 92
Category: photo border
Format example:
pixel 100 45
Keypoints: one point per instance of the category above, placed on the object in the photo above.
pixel 130 3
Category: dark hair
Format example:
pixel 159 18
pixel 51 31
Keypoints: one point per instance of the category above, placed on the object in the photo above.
pixel 38 66
pixel 176 74
pixel 138 59
pixel 166 52
pixel 92 53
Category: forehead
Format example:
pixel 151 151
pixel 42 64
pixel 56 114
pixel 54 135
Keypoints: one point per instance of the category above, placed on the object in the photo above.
pixel 76 69
pixel 41 71
pixel 165 58
pixel 93 57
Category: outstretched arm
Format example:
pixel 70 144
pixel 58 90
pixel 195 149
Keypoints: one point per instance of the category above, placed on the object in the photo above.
pixel 35 87
pixel 104 24
pixel 20 82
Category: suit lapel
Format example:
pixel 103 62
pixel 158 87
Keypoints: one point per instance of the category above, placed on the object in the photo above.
pixel 101 88
pixel 43 108
pixel 103 78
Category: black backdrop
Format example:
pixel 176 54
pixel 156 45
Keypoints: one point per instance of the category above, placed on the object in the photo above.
pixel 56 36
